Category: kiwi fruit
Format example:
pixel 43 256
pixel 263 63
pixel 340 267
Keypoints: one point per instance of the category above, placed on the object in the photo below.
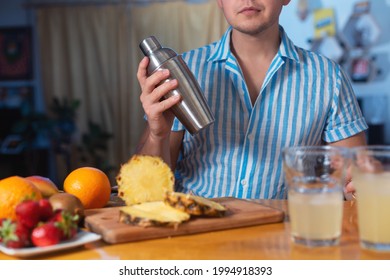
pixel 68 202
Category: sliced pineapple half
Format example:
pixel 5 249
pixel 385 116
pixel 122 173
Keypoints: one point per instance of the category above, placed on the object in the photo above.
pixel 145 184
pixel 155 213
pixel 194 205
pixel 143 179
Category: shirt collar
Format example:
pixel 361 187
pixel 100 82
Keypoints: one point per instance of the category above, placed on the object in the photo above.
pixel 287 49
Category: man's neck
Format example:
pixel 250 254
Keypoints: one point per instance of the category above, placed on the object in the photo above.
pixel 254 54
pixel 265 44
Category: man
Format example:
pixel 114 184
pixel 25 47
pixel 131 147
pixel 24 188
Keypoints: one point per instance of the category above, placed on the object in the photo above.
pixel 265 93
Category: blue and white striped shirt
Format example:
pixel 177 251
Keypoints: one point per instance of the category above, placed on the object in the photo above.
pixel 305 99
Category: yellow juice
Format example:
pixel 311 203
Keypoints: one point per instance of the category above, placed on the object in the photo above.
pixel 373 201
pixel 315 216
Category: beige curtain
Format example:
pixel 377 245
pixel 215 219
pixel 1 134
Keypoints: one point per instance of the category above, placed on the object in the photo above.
pixel 91 53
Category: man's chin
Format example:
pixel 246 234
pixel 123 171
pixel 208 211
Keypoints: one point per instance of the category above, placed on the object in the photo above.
pixel 250 29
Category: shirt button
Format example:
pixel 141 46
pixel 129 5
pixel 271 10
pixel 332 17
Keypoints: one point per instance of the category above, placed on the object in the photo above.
pixel 243 182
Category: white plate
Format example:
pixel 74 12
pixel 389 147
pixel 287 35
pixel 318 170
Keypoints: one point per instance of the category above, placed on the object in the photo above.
pixel 81 238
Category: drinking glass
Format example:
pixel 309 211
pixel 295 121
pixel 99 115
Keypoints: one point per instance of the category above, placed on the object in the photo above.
pixel 371 179
pixel 315 177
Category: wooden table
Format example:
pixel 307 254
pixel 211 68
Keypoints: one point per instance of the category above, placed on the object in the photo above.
pixel 270 241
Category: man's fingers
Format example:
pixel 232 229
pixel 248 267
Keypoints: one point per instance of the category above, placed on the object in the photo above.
pixel 142 70
pixel 349 190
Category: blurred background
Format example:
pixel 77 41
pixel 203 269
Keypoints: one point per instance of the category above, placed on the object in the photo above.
pixel 68 90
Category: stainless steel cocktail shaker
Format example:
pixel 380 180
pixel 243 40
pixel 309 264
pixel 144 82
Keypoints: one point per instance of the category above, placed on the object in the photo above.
pixel 192 111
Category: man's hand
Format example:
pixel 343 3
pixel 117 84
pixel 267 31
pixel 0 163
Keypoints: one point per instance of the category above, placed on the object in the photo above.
pixel 349 190
pixel 156 108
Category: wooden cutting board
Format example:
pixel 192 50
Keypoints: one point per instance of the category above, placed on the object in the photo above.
pixel 241 213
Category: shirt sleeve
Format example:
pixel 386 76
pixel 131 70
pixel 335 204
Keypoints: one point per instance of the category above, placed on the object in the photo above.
pixel 345 118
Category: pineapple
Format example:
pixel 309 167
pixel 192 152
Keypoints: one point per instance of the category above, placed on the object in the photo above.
pixel 145 184
pixel 155 213
pixel 144 179
pixel 194 205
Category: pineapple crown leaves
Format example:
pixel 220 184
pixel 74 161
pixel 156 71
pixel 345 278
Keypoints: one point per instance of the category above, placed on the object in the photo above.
pixel 7 231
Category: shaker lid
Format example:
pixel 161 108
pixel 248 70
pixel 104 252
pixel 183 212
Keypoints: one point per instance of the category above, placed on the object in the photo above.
pixel 157 54
pixel 149 45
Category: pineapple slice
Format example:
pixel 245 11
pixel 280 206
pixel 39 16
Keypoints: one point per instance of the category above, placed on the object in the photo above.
pixel 194 205
pixel 155 213
pixel 145 184
pixel 144 179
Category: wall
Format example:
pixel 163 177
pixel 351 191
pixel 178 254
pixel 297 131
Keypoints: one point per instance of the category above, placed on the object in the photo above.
pixel 375 94
pixel 13 14
pixel 38 160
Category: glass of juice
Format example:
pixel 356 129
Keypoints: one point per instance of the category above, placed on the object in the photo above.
pixel 371 179
pixel 315 177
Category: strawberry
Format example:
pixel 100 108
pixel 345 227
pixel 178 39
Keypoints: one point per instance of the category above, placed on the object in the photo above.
pixel 57 215
pixel 15 234
pixel 28 213
pixel 45 209
pixel 67 222
pixel 46 234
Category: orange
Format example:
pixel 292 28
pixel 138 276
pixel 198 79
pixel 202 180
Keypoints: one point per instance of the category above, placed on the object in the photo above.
pixel 14 190
pixel 90 185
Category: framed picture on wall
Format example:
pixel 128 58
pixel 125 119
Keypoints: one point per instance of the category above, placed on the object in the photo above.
pixel 16 54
